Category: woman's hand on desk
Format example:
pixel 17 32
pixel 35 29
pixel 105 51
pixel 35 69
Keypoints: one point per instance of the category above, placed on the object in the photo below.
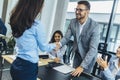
pixel 57 60
pixel 77 71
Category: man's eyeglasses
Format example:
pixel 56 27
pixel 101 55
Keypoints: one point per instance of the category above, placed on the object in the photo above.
pixel 80 10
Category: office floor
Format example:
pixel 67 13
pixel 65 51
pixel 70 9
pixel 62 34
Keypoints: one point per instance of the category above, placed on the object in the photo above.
pixel 6 71
pixel 6 75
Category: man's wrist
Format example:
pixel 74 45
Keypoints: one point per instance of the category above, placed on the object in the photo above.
pixel 60 44
pixel 81 67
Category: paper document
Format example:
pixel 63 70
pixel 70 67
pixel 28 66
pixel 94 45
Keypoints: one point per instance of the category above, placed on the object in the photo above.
pixel 13 57
pixel 39 62
pixel 64 69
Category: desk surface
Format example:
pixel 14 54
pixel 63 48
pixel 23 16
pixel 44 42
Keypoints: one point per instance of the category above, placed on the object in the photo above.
pixel 41 61
pixel 48 73
pixel 51 74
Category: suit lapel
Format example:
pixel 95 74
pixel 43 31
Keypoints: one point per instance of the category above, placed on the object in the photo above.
pixel 85 28
pixel 77 30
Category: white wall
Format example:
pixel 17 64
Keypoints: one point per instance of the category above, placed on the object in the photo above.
pixel 1 6
pixel 60 15
pixel 11 4
pixel 48 16
pixel 53 13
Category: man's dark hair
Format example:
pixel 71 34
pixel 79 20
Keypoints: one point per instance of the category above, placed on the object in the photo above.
pixel 86 3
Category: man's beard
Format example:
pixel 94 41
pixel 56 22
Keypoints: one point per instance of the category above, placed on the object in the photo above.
pixel 80 17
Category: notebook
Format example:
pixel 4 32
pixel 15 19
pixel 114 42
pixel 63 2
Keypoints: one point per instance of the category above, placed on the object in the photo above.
pixel 64 69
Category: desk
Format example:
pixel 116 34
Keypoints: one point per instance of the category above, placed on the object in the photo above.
pixel 42 62
pixel 47 73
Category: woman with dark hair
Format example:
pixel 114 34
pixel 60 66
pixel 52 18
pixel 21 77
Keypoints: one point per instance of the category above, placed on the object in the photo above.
pixel 57 55
pixel 29 37
pixel 112 69
pixel 56 38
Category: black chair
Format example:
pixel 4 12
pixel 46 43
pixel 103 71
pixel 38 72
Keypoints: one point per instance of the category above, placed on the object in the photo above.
pixel 97 68
pixel 104 54
pixel 66 57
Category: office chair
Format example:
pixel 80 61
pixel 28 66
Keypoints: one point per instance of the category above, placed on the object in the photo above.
pixel 101 53
pixel 66 56
pixel 97 68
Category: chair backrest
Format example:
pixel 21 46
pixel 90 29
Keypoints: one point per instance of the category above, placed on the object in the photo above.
pixel 96 68
pixel 67 54
pixel 102 52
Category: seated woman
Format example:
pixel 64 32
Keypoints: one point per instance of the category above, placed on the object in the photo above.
pixel 111 70
pixel 57 55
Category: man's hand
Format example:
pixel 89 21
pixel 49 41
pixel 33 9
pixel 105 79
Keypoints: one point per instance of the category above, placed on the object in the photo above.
pixel 77 71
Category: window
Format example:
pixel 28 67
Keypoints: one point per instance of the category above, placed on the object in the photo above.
pixel 100 12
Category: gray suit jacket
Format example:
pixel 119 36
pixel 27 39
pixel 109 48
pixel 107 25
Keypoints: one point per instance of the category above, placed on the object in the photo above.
pixel 87 42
